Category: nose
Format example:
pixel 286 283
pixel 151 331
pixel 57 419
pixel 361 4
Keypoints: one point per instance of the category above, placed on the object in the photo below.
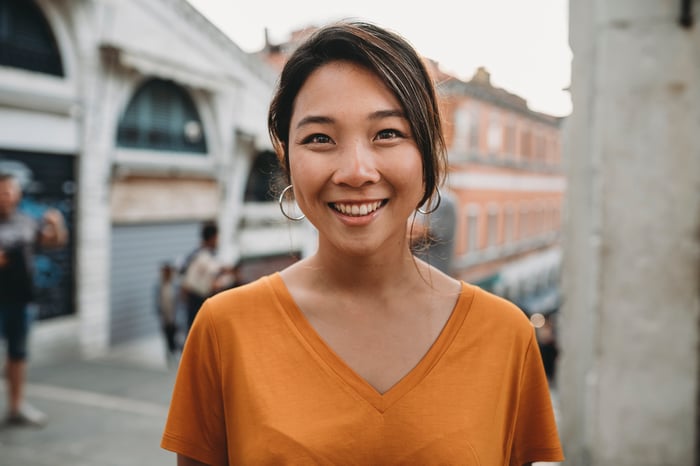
pixel 356 165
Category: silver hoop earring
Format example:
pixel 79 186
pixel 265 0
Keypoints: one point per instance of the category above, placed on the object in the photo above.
pixel 435 207
pixel 281 203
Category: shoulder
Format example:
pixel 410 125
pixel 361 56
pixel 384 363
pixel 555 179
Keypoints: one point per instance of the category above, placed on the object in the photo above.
pixel 20 219
pixel 249 313
pixel 21 224
pixel 497 314
pixel 250 297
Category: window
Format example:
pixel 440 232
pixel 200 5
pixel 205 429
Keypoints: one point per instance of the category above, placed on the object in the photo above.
pixel 509 233
pixel 539 221
pixel 162 116
pixel 526 145
pixel 540 146
pixel 473 229
pixel 495 134
pixel 461 134
pixel 474 130
pixel 509 137
pixel 26 39
pixel 492 227
pixel 524 222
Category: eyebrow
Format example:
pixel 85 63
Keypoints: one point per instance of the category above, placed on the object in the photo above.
pixel 378 115
pixel 314 119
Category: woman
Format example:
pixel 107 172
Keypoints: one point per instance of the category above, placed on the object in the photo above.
pixel 360 354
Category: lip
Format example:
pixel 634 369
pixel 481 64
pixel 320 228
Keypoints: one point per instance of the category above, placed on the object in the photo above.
pixel 357 212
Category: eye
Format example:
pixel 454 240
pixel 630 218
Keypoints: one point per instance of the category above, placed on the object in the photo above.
pixel 389 134
pixel 316 138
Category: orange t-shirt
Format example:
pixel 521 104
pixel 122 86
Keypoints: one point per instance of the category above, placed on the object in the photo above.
pixel 258 386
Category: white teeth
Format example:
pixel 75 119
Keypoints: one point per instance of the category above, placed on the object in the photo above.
pixel 357 210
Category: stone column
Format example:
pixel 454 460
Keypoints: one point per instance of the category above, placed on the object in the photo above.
pixel 93 214
pixel 628 376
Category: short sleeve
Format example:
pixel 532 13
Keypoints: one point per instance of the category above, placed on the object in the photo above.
pixel 536 437
pixel 196 425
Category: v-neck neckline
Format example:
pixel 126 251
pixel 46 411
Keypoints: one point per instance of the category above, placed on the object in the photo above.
pixel 380 401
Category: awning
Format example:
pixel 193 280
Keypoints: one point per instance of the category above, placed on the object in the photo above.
pixel 167 68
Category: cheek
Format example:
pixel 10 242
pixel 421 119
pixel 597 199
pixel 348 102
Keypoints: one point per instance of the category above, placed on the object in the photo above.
pixel 305 176
pixel 298 171
pixel 413 168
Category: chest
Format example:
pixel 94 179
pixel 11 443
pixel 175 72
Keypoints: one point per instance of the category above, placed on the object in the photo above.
pixel 381 345
pixel 318 413
pixel 18 231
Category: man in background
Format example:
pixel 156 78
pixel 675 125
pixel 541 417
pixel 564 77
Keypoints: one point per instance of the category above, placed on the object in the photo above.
pixel 20 236
pixel 203 273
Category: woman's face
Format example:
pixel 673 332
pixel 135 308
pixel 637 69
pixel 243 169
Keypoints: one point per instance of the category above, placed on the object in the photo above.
pixel 355 167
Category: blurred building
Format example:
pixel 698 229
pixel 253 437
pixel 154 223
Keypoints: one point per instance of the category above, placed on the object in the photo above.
pixel 506 172
pixel 138 120
pixel 507 178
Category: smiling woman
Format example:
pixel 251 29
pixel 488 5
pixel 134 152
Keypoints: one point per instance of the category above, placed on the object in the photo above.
pixel 360 353
pixel 353 161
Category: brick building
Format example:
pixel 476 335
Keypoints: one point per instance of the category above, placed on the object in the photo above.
pixel 506 172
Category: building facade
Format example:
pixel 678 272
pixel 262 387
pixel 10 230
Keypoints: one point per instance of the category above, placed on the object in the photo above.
pixel 506 173
pixel 138 120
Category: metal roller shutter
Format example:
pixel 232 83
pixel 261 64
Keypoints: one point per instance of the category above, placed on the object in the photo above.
pixel 137 252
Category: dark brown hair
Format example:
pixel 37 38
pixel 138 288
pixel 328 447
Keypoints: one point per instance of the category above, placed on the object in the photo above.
pixel 393 60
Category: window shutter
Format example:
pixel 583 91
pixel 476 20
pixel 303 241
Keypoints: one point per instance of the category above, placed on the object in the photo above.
pixel 26 39
pixel 162 116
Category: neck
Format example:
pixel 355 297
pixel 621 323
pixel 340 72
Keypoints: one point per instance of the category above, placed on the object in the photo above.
pixel 365 274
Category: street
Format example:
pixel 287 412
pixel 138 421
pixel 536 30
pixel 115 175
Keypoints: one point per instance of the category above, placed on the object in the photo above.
pixel 105 412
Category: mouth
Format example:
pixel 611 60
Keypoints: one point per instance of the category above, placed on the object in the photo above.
pixel 357 209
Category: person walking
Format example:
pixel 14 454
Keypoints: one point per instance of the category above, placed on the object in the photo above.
pixel 20 236
pixel 166 306
pixel 202 272
pixel 361 353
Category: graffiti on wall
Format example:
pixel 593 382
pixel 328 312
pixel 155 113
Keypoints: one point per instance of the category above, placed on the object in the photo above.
pixel 48 181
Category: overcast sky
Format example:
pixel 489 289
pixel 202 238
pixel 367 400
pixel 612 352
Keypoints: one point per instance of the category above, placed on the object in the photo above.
pixel 523 44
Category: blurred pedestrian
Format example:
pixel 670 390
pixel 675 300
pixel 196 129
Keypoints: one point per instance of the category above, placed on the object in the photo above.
pixel 166 305
pixel 360 353
pixel 549 348
pixel 202 272
pixel 20 236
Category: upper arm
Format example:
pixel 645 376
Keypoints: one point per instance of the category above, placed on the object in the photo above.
pixel 196 424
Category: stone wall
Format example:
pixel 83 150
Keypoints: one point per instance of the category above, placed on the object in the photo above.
pixel 628 376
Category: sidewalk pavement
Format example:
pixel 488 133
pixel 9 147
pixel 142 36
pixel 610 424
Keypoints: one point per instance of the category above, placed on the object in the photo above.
pixel 102 412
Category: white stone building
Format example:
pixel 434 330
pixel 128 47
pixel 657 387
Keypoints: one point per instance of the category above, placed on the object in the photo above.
pixel 139 120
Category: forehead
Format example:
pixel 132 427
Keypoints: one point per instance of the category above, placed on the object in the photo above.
pixel 9 183
pixel 343 86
